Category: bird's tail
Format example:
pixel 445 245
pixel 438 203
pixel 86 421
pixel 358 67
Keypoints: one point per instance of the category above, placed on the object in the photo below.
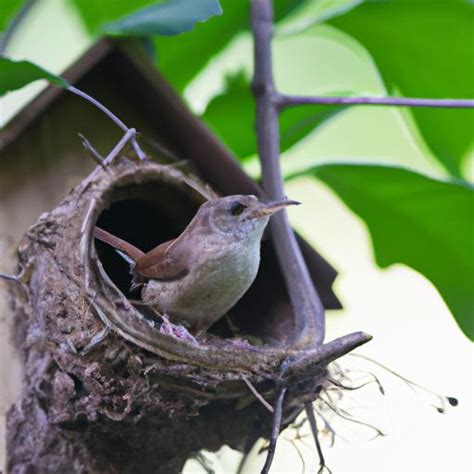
pixel 118 244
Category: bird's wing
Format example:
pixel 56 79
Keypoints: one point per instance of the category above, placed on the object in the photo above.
pixel 164 262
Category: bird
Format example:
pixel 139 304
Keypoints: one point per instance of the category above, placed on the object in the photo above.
pixel 195 279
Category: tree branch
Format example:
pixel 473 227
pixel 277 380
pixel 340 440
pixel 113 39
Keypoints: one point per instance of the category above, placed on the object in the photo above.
pixel 283 101
pixel 307 305
pixel 314 430
pixel 276 426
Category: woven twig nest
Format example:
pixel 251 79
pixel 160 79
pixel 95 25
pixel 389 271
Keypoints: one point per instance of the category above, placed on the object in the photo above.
pixel 105 389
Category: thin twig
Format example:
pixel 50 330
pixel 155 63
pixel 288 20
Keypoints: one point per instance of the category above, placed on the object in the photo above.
pixel 329 429
pixel 258 396
pixel 307 305
pixel 355 387
pixel 122 143
pixel 95 341
pixel 283 101
pixel 442 398
pixel 140 153
pixel 7 277
pixel 353 420
pixel 314 429
pixel 276 425
pixel 95 155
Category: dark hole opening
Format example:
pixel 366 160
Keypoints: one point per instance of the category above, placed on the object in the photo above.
pixel 133 221
pixel 144 215
pixel 150 213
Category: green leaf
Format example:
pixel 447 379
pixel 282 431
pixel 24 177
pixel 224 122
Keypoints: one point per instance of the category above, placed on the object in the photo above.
pixel 231 115
pixel 297 122
pixel 310 13
pixel 424 50
pixel 181 58
pixel 424 223
pixel 96 13
pixel 17 74
pixel 168 18
pixel 8 10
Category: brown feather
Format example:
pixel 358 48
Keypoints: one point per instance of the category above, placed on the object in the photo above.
pixel 116 242
pixel 162 263
pixel 167 261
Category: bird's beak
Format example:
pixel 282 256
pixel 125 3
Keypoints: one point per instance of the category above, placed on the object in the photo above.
pixel 269 208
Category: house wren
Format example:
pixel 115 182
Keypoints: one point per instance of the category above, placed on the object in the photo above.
pixel 197 277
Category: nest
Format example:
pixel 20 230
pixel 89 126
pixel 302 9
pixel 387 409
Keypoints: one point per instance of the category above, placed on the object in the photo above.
pixel 106 390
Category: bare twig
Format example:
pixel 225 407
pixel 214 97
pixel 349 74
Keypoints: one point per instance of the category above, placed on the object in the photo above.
pixel 95 155
pixel 276 425
pixel 328 428
pixel 283 101
pixel 129 136
pixel 314 429
pixel 307 305
pixel 7 277
pixel 258 396
pixel 96 340
pixel 140 153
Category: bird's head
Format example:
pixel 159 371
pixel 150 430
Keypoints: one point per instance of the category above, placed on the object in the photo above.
pixel 242 215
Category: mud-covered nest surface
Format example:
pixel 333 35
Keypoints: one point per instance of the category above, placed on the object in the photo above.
pixel 105 389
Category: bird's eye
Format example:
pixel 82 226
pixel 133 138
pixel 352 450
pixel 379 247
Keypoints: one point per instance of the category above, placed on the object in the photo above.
pixel 237 209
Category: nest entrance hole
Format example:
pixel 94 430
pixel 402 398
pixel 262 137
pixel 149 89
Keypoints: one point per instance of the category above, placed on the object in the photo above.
pixel 147 214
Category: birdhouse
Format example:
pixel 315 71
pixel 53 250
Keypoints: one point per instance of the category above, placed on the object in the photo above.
pixel 42 159
pixel 108 372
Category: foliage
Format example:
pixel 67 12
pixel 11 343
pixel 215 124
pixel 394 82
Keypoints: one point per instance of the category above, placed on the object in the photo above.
pixel 16 74
pixel 423 51
pixel 235 107
pixel 168 18
pixel 420 50
pixel 411 218
pixel 7 12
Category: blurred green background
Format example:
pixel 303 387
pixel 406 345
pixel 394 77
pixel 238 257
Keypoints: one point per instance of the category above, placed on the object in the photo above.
pixel 413 330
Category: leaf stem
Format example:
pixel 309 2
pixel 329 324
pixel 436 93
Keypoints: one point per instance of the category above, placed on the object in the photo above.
pixel 309 311
pixel 283 101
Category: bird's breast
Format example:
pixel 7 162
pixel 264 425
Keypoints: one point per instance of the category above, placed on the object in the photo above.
pixel 217 279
